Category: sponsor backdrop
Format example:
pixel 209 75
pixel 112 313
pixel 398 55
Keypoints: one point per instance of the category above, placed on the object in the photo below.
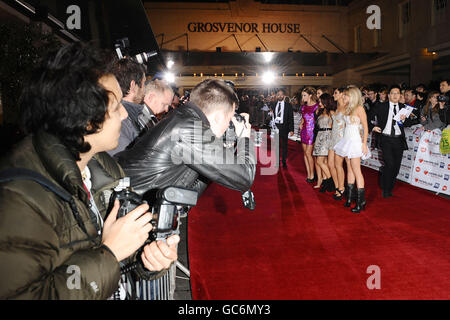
pixel 422 165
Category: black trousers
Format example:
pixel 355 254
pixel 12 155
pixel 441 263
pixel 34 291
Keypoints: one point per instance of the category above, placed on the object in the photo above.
pixel 283 142
pixel 392 149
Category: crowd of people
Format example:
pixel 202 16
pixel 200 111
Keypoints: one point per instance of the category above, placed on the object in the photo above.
pixel 61 235
pixel 335 124
pixel 92 120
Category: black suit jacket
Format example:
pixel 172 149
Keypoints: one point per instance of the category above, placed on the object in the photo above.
pixel 288 118
pixel 381 111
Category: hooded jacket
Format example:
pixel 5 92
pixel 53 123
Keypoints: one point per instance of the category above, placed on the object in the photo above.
pixel 44 252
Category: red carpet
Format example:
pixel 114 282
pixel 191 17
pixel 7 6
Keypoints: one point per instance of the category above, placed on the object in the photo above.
pixel 301 244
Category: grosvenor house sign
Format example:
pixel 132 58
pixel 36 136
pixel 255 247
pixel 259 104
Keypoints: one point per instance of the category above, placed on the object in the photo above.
pixel 243 27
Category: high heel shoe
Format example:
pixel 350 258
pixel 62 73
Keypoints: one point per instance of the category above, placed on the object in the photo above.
pixel 331 186
pixel 360 201
pixel 325 185
pixel 340 196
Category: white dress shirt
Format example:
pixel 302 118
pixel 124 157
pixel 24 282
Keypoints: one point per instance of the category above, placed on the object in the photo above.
pixel 390 118
pixel 279 112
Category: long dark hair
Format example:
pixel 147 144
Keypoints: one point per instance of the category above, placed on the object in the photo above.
pixel 64 97
pixel 328 103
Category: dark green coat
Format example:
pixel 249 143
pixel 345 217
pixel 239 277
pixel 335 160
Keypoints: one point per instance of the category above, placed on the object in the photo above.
pixel 41 243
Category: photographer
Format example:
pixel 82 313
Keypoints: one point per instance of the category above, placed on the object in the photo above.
pixel 131 78
pixel 158 96
pixel 186 148
pixel 55 243
pixel 444 102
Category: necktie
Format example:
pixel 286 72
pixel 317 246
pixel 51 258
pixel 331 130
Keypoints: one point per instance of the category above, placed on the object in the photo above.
pixel 393 121
pixel 279 109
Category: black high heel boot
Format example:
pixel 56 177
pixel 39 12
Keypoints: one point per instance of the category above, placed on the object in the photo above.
pixel 325 185
pixel 351 192
pixel 360 201
pixel 331 186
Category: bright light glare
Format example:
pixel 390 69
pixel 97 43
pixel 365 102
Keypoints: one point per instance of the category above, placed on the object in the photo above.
pixel 268 56
pixel 170 64
pixel 169 77
pixel 268 77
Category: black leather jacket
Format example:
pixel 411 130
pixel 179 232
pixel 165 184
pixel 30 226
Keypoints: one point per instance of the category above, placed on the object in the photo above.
pixel 182 151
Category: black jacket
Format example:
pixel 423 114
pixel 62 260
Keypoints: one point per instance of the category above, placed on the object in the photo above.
pixel 182 151
pixel 288 118
pixel 381 112
pixel 444 114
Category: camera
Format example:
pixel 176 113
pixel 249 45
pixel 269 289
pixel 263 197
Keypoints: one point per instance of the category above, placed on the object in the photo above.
pixel 122 45
pixel 185 98
pixel 169 201
pixel 443 98
pixel 128 199
pixel 238 118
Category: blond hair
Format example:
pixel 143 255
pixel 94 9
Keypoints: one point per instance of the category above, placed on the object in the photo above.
pixel 355 99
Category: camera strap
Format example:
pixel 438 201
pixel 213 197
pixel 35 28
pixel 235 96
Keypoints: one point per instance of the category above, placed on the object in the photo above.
pixel 12 174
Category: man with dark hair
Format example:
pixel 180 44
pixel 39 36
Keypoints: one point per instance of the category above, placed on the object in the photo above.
pixel 131 77
pixel 371 99
pixel 186 148
pixel 58 245
pixel 284 120
pixel 421 88
pixel 392 138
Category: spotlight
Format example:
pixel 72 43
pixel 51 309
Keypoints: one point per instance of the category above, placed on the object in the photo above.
pixel 268 56
pixel 268 77
pixel 169 77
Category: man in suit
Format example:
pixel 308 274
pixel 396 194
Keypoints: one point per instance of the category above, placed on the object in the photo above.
pixel 392 138
pixel 284 120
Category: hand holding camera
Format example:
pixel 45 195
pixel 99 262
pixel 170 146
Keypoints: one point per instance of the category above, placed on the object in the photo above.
pixel 159 255
pixel 152 237
pixel 124 235
pixel 242 125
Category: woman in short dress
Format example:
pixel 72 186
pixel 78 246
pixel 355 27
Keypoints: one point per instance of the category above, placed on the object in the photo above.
pixel 310 105
pixel 336 163
pixel 322 141
pixel 352 146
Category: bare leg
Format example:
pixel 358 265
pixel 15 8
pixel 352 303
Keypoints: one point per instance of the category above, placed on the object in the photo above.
pixel 332 168
pixel 321 161
pixel 309 157
pixel 350 175
pixel 339 164
pixel 305 157
pixel 355 163
pixel 319 173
